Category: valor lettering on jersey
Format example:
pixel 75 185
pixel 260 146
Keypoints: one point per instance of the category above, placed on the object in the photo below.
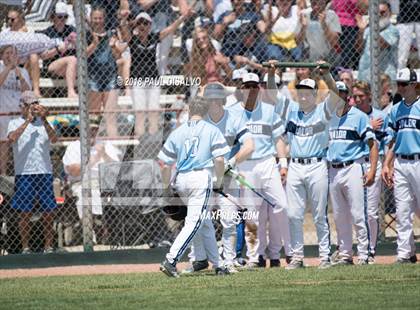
pixel 408 123
pixel 338 134
pixel 255 128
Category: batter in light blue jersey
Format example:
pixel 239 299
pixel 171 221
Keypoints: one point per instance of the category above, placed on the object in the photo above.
pixel 402 163
pixel 352 144
pixel 196 147
pixel 261 171
pixel 307 178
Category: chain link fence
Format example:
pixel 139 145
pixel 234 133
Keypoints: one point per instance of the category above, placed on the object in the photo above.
pixel 115 77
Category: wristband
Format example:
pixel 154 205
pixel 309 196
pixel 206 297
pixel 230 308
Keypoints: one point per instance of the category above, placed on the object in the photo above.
pixel 283 162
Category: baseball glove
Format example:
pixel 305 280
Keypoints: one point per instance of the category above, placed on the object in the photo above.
pixel 173 205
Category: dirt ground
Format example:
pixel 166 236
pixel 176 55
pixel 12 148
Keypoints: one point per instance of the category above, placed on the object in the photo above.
pixel 119 269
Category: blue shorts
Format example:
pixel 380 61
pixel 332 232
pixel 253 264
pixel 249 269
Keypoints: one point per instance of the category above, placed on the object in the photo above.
pixel 34 186
pixel 102 84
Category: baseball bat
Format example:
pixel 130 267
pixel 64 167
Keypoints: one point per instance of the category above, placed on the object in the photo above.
pixel 245 183
pixel 228 197
pixel 298 65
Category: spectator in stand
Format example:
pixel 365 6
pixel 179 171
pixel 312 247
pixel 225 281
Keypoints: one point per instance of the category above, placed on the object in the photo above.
pixel 100 152
pixel 201 23
pixel 7 5
pixel 161 13
pixel 143 44
pixel 284 31
pixel 111 10
pixel 322 30
pixel 346 76
pixel 387 97
pixel 253 50
pixel 388 45
pixel 16 22
pixel 305 73
pixel 31 135
pixel 206 63
pixel 408 22
pixel 347 10
pixel 62 61
pixel 13 81
pixel 228 27
pixel 102 52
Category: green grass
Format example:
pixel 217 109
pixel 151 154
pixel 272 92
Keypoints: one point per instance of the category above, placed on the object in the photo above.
pixel 355 287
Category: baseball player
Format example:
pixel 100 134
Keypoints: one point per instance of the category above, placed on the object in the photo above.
pixel 379 121
pixel 196 147
pixel 261 171
pixel 404 172
pixel 352 143
pixel 240 140
pixel 307 177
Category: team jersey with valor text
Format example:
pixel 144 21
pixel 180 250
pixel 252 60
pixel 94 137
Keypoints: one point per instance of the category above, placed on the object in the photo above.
pixel 307 133
pixel 234 132
pixel 404 122
pixel 349 135
pixel 193 146
pixel 264 124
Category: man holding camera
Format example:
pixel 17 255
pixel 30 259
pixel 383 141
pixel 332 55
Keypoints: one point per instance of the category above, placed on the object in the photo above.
pixel 31 136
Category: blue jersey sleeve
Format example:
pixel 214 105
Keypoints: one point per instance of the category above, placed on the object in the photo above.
pixel 219 146
pixel 168 153
pixel 278 127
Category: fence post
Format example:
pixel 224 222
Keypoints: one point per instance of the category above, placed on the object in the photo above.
pixel 374 51
pixel 82 77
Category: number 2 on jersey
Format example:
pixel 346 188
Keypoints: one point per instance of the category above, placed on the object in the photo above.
pixel 191 146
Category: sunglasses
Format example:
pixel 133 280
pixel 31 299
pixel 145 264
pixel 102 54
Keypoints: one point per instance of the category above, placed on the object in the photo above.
pixel 402 84
pixel 61 16
pixel 250 86
pixel 143 22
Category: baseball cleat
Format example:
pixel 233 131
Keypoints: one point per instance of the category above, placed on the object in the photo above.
pixel 295 264
pixel 222 271
pixel 239 262
pixel 261 261
pixel 288 259
pixel 363 261
pixel 196 266
pixel 371 259
pixel 232 269
pixel 402 261
pixel 413 259
pixel 335 256
pixel 274 263
pixel 251 265
pixel 170 270
pixel 324 264
pixel 343 262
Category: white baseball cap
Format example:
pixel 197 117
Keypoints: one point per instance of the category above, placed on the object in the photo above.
pixel 341 86
pixel 202 21
pixel 250 78
pixel 406 75
pixel 214 91
pixel 143 15
pixel 238 73
pixel 60 9
pixel 28 97
pixel 307 83
pixel 276 78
